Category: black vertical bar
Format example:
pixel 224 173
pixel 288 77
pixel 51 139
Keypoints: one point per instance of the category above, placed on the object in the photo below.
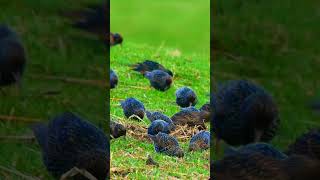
pixel 107 100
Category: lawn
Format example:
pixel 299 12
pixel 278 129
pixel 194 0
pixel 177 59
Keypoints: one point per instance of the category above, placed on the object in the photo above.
pixel 273 44
pixel 175 34
pixel 182 25
pixel 53 49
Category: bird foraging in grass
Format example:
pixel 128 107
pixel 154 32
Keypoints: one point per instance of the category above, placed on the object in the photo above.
pixel 132 106
pixel 164 143
pixel 113 79
pixel 148 66
pixel 69 141
pixel 206 112
pixel 200 141
pixel 159 126
pixel 159 79
pixel 152 116
pixel 117 130
pixel 186 97
pixel 189 116
pixel 115 39
pixel 12 57
pixel 307 144
pixel 244 113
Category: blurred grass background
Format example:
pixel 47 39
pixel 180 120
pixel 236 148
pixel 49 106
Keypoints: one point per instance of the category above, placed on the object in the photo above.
pixel 53 48
pixel 273 43
pixel 177 35
pixel 182 25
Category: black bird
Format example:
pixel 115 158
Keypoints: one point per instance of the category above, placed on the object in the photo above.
pixel 159 126
pixel 206 110
pixel 159 79
pixel 152 116
pixel 200 141
pixel 12 57
pixel 117 129
pixel 263 148
pixel 115 39
pixel 189 116
pixel 69 141
pixel 164 143
pixel 93 19
pixel 113 79
pixel 148 66
pixel 307 144
pixel 244 113
pixel 132 106
pixel 256 166
pixel 186 97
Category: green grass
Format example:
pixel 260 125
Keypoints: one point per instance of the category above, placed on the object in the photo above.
pixel 277 43
pixel 53 48
pixel 175 34
pixel 128 155
pixel 183 25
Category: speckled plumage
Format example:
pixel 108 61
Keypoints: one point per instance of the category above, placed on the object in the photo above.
pixel 190 116
pixel 117 129
pixel 158 126
pixel 12 57
pixel 307 144
pixel 159 79
pixel 263 148
pixel 186 97
pixel 164 143
pixel 113 79
pixel 200 141
pixel 206 112
pixel 68 141
pixel 148 66
pixel 256 166
pixel 152 116
pixel 241 111
pixel 132 106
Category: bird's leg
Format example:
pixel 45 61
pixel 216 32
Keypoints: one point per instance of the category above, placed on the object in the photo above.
pixel 257 135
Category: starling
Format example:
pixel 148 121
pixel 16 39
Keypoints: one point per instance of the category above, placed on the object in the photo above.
pixel 152 116
pixel 148 66
pixel 115 39
pixel 308 145
pixel 263 148
pixel 113 79
pixel 200 141
pixel 159 79
pixel 186 97
pixel 117 130
pixel 244 113
pixel 158 126
pixel 132 106
pixel 69 141
pixel 190 116
pixel 92 19
pixel 164 143
pixel 206 112
pixel 256 166
pixel 12 57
